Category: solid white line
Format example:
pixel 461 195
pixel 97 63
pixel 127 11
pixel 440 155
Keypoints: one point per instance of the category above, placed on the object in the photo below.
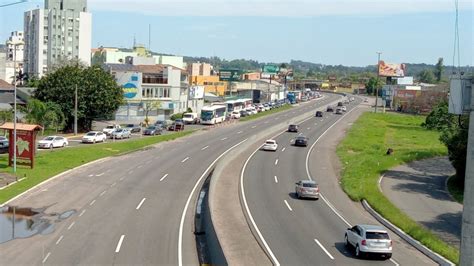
pixel 283 149
pixel 324 249
pixel 46 258
pixel 119 244
pixel 103 192
pixel 276 179
pixel 59 240
pixel 140 204
pixel 115 183
pixel 394 262
pixel 130 172
pixel 288 205
pixel 204 148
pixel 91 175
pixel 92 203
pixel 140 166
pixel 101 174
pixel 185 159
pixel 82 213
pixel 276 161
pixel 122 178
pixel 183 215
pixel 161 179
pixel 71 225
pixel 224 138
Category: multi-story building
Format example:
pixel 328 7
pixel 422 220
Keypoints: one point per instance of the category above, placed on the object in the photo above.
pixel 199 69
pixel 60 31
pixel 211 84
pixel 11 54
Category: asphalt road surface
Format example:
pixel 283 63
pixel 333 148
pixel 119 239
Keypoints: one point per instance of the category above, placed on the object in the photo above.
pixel 129 209
pixel 308 232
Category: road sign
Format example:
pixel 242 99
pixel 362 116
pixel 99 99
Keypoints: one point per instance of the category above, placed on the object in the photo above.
pixel 272 69
pixel 229 75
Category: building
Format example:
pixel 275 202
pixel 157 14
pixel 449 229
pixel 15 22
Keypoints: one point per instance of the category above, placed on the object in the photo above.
pixel 200 69
pixel 60 31
pixel 104 55
pixel 9 54
pixel 252 76
pixel 211 84
pixel 153 92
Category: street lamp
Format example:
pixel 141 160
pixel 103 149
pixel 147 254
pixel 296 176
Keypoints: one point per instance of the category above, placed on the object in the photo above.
pixel 14 44
pixel 377 83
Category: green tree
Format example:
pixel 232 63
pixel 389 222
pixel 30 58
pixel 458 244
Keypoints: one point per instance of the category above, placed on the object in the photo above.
pixel 6 116
pixel 439 69
pixel 427 76
pixel 47 115
pixel 99 96
pixel 371 85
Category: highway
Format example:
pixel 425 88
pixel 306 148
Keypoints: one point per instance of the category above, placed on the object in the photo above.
pixel 135 208
pixel 309 232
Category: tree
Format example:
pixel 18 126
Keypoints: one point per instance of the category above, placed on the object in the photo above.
pixel 47 115
pixel 439 69
pixel 427 76
pixel 6 116
pixel 372 85
pixel 99 96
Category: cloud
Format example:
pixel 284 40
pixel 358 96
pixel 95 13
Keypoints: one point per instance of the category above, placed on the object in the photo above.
pixel 276 8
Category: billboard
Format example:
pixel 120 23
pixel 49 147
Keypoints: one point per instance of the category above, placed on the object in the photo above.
pixel 391 70
pixel 229 75
pixel 196 92
pixel 272 69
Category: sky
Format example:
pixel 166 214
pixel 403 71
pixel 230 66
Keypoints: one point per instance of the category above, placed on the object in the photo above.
pixel 332 32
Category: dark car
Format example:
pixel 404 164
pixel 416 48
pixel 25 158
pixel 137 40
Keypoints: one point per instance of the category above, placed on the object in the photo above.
pixel 338 111
pixel 176 126
pixel 133 128
pixel 339 104
pixel 330 109
pixel 319 114
pixel 243 113
pixel 292 128
pixel 162 124
pixel 301 141
pixel 152 130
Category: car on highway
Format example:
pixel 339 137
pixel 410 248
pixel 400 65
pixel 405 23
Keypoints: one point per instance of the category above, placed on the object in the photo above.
pixel 329 109
pixel 301 141
pixel 50 142
pixel 319 114
pixel 244 113
pixel 293 128
pixel 133 128
pixel 152 131
pixel 176 126
pixel 235 114
pixel 121 133
pixel 110 128
pixel 343 108
pixel 307 189
pixel 94 136
pixel 164 124
pixel 338 111
pixel 270 145
pixel 4 142
pixel 369 240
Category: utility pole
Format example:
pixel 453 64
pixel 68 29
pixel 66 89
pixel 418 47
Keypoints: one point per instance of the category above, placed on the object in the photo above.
pixel 75 111
pixel 377 83
pixel 467 239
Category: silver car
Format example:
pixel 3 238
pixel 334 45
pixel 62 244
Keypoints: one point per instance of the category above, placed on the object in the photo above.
pixel 307 189
pixel 369 239
pixel 120 133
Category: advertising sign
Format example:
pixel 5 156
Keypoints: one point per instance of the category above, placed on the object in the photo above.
pixel 229 75
pixel 196 92
pixel 391 70
pixel 130 83
pixel 272 69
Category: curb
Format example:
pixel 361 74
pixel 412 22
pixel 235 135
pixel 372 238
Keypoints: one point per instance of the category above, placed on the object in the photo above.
pixel 413 242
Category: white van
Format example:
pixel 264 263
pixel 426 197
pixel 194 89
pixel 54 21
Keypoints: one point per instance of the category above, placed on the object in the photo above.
pixel 191 118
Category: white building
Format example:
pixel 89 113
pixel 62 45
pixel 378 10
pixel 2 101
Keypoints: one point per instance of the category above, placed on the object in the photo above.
pixel 9 54
pixel 60 31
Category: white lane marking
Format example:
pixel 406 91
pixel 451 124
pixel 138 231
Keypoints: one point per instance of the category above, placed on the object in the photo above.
pixel 101 174
pixel 119 244
pixel 283 149
pixel 224 138
pixel 324 249
pixel 130 172
pixel 288 205
pixel 186 206
pixel 140 166
pixel 394 262
pixel 254 126
pixel 266 122
pixel 82 213
pixel 92 203
pixel 276 161
pixel 239 132
pixel 91 175
pixel 276 118
pixel 203 148
pixel 140 204
pixel 147 162
pixel 59 240
pixel 71 225
pixel 103 192
pixel 309 128
pixel 115 183
pixel 315 124
pixel 276 179
pixel 46 258
pixel 161 179
pixel 185 159
pixel 122 178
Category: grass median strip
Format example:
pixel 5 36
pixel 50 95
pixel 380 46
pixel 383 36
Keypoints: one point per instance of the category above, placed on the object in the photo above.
pixel 51 163
pixel 364 159
pixel 269 112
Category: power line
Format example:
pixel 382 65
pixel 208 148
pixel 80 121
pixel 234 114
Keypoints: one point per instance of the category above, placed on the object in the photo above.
pixel 14 3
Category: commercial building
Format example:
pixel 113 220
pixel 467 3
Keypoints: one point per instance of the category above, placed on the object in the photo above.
pixel 211 84
pixel 60 31
pixel 200 69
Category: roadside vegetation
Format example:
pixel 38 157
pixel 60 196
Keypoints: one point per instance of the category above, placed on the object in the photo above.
pixel 364 159
pixel 51 163
pixel 269 112
pixel 455 189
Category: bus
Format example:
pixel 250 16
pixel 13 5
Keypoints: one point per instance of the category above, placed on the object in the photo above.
pixel 214 114
pixel 237 105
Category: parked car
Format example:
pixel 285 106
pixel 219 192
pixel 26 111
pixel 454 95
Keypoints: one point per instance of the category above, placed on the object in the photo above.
pixel 369 239
pixel 330 109
pixel 133 128
pixel 270 145
pixel 121 133
pixel 343 108
pixel 338 111
pixel 109 129
pixel 301 141
pixel 339 104
pixel 307 189
pixel 3 142
pixel 319 114
pixel 366 100
pixel 191 118
pixel 152 131
pixel 176 126
pixel 346 101
pixel 164 124
pixel 235 114
pixel 293 128
pixel 244 113
pixel 52 142
pixel 93 137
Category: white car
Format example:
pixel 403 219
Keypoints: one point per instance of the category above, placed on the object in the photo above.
pixel 93 137
pixel 3 142
pixel 235 114
pixel 270 145
pixel 109 129
pixel 369 239
pixel 344 109
pixel 53 142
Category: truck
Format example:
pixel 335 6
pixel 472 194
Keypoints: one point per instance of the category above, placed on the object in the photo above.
pixel 291 97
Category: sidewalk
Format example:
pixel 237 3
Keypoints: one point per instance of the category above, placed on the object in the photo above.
pixel 419 190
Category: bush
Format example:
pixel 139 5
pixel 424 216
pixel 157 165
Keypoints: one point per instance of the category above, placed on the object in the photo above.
pixel 176 116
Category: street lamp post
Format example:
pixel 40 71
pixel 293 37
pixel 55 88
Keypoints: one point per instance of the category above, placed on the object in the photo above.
pixel 377 83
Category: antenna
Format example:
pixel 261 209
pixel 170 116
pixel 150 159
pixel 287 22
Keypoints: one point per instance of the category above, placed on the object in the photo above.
pixel 134 41
pixel 149 37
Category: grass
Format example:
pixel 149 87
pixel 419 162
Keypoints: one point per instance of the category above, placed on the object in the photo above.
pixel 456 189
pixel 51 163
pixel 269 112
pixel 362 154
